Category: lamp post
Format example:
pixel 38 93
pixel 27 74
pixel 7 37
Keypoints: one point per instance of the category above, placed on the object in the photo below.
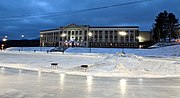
pixel 41 43
pixel 89 40
pixel 123 33
pixel 63 35
pixel 4 41
pixel 140 39
pixel 22 36
pixel 2 46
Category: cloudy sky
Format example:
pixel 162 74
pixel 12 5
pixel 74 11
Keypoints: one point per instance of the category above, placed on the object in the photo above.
pixel 26 17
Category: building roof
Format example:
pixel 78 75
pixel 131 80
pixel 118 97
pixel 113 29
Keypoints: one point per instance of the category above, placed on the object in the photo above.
pixel 114 26
pixel 48 30
pixel 74 25
pixel 144 31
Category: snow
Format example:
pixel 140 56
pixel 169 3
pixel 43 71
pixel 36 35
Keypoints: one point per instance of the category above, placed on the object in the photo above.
pixel 158 62
pixel 163 51
pixel 29 48
pixel 132 65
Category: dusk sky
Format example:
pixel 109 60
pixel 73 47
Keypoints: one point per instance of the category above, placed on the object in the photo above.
pixel 19 17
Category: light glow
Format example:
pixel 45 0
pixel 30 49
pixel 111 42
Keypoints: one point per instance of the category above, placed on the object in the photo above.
pixel 39 73
pixel 63 35
pixel 89 82
pixel 4 39
pixel 140 39
pixel 20 71
pixel 90 34
pixel 62 75
pixel 122 33
pixel 123 84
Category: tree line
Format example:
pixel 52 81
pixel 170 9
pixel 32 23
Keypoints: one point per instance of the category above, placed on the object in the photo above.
pixel 164 28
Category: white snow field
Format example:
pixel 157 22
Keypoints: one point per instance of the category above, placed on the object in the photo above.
pixel 108 62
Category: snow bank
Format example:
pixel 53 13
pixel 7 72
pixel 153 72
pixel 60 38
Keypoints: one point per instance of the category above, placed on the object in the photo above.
pixel 159 62
pixel 163 51
pixel 29 48
pixel 133 65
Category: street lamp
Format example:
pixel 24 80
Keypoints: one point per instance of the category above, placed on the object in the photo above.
pixel 22 36
pixel 4 41
pixel 89 40
pixel 63 35
pixel 41 43
pixel 2 46
pixel 123 33
pixel 140 39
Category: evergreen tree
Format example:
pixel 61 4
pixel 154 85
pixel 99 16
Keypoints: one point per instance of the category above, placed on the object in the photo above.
pixel 164 26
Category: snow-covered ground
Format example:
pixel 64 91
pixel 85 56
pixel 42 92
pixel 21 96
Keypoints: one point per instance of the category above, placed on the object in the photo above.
pixel 158 62
pixel 37 49
pixel 163 51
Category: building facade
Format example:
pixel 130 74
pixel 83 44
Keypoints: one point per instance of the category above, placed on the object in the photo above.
pixel 91 36
pixel 178 33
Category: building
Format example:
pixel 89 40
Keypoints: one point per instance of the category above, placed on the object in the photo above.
pixel 145 36
pixel 145 39
pixel 91 36
pixel 178 32
pixel 178 35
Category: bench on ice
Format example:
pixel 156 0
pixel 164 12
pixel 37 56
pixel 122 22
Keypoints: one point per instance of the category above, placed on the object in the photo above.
pixel 54 65
pixel 85 67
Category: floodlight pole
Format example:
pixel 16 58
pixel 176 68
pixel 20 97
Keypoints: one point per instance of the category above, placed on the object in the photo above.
pixel 63 37
pixel 41 42
pixel 123 33
pixel 89 41
pixel 22 36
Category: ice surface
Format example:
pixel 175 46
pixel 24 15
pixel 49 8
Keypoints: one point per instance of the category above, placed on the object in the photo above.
pixel 29 84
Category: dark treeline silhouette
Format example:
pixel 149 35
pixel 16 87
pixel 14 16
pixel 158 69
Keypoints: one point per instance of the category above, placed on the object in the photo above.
pixel 20 43
pixel 164 27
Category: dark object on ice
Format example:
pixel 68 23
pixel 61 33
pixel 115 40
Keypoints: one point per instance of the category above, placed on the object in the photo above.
pixel 84 66
pixel 54 65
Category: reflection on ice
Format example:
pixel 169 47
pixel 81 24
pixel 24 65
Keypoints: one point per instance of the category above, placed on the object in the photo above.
pixel 39 73
pixel 49 85
pixel 20 71
pixel 140 80
pixel 89 82
pixel 62 75
pixel 123 84
pixel 2 69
